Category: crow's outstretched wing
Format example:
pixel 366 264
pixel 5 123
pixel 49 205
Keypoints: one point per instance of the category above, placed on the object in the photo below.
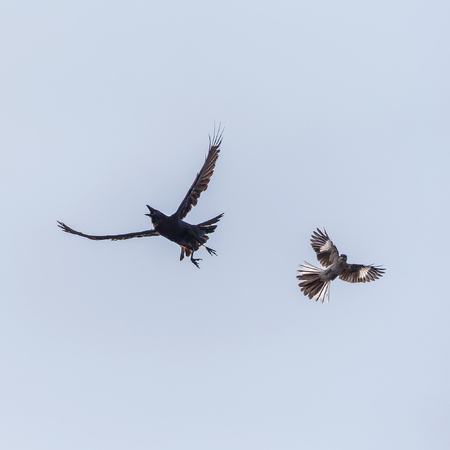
pixel 359 273
pixel 112 237
pixel 201 181
pixel 327 253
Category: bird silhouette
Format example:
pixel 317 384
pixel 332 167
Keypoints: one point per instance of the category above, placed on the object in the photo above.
pixel 189 237
pixel 315 282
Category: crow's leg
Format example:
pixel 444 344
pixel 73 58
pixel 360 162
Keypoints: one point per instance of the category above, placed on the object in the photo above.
pixel 195 260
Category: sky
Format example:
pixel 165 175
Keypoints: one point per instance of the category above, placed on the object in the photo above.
pixel 336 115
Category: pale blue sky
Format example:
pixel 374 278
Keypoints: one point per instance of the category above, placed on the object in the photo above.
pixel 336 114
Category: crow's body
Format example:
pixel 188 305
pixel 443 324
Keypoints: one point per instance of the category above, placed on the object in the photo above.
pixel 315 282
pixel 189 237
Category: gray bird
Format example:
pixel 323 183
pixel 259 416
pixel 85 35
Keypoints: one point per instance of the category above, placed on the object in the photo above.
pixel 315 282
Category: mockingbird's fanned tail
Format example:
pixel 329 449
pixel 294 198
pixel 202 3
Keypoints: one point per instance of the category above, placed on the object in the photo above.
pixel 312 285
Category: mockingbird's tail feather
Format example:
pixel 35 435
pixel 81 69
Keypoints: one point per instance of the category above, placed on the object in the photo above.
pixel 312 285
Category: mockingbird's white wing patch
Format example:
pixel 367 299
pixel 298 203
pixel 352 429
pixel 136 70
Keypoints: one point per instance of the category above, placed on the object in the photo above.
pixel 359 273
pixel 327 252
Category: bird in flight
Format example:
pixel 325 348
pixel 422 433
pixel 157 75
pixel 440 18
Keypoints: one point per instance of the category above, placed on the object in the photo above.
pixel 189 237
pixel 315 282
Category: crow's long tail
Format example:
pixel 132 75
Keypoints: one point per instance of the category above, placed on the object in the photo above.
pixel 208 226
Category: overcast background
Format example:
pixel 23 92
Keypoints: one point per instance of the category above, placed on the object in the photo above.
pixel 336 115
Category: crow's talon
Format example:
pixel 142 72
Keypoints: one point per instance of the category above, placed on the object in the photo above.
pixel 211 251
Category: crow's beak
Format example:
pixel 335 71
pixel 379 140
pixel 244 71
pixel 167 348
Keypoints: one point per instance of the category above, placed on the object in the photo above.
pixel 151 211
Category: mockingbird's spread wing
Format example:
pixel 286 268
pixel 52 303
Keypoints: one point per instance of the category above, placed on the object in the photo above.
pixel 327 253
pixel 359 273
pixel 112 237
pixel 201 181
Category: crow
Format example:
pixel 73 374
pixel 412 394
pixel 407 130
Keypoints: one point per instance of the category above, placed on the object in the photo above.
pixel 316 282
pixel 189 237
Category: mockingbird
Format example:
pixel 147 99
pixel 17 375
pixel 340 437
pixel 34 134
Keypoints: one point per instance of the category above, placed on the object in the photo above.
pixel 316 282
pixel 189 237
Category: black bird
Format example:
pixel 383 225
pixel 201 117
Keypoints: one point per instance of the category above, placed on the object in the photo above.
pixel 189 237
pixel 316 282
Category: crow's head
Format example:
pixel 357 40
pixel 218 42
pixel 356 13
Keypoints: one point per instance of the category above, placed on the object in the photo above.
pixel 343 257
pixel 155 215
